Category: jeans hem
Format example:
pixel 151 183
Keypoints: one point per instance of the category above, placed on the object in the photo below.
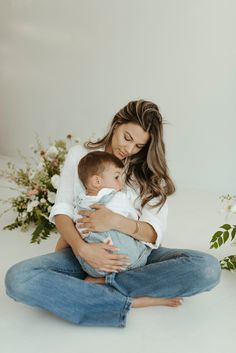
pixel 123 315
pixel 109 279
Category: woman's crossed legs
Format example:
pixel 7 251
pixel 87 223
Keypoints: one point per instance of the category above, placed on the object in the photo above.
pixel 55 282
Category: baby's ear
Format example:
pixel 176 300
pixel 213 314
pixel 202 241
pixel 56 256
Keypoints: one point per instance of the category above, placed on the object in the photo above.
pixel 96 181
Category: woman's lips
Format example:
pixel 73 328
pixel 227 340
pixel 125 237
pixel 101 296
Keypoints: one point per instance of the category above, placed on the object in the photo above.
pixel 122 154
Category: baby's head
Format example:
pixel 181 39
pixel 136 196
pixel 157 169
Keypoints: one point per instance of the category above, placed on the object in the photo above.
pixel 99 170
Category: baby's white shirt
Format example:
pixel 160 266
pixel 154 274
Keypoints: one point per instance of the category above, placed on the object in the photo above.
pixel 119 203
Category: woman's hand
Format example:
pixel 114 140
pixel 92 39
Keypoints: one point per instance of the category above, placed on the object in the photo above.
pixel 101 220
pixel 100 257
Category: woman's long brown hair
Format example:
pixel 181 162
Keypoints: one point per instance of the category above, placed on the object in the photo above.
pixel 148 167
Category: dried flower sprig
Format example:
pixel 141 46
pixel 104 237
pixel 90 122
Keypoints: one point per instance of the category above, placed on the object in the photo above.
pixel 37 186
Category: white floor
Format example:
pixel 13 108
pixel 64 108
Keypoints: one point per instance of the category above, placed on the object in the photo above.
pixel 204 322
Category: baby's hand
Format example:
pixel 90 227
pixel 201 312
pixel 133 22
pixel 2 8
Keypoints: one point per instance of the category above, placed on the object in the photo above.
pixel 108 241
pixel 61 244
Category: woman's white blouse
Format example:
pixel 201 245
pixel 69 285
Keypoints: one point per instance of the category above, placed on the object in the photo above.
pixel 70 186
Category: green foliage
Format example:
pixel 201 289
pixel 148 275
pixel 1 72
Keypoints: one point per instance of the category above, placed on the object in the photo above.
pixel 229 263
pixel 42 231
pixel 225 233
pixel 221 237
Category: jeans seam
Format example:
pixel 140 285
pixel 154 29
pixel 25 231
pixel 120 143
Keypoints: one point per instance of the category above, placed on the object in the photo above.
pixel 124 312
pixel 62 270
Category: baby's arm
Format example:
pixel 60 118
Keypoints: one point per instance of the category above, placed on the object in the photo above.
pixel 61 244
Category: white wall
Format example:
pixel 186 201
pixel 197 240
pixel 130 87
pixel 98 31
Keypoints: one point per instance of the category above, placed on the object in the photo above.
pixel 68 66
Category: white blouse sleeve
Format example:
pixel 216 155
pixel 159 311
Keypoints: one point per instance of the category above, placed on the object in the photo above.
pixel 64 203
pixel 157 218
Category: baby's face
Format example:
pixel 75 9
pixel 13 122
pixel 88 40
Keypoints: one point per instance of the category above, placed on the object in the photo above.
pixel 112 177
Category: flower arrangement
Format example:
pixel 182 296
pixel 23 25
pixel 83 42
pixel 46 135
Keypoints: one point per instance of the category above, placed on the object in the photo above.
pixel 37 188
pixel 226 232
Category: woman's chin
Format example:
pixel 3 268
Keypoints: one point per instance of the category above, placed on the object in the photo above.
pixel 119 155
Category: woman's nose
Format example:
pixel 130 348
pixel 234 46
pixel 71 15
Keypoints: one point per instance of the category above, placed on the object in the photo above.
pixel 129 148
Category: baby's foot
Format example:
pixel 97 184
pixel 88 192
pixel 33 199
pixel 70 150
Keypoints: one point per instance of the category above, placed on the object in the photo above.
pixel 98 280
pixel 142 302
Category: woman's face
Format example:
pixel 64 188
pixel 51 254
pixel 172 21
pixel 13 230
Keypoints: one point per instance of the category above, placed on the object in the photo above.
pixel 127 139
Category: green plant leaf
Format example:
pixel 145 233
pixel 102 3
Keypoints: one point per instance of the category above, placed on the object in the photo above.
pixel 226 227
pixel 215 245
pixel 220 241
pixel 36 235
pixel 12 226
pixel 233 233
pixel 229 263
pixel 225 236
pixel 216 236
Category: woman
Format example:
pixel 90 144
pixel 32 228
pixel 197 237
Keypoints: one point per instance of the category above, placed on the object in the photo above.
pixel 57 283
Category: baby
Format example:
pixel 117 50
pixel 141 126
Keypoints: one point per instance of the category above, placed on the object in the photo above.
pixel 101 174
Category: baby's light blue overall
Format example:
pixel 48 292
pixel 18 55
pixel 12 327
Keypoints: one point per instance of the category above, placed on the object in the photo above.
pixel 136 250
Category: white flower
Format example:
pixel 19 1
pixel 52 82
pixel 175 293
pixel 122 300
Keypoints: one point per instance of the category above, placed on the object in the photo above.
pixel 227 205
pixel 24 215
pixel 55 179
pixel 31 174
pixel 78 140
pixel 51 197
pixel 40 166
pixel 49 208
pixel 31 205
pixel 51 153
pixel 233 209
pixel 43 200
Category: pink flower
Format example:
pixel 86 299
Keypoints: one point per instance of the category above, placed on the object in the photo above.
pixel 55 163
pixel 32 192
pixel 42 153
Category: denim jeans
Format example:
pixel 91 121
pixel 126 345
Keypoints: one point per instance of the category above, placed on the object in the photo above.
pixel 55 282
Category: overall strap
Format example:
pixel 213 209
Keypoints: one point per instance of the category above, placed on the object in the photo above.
pixel 106 198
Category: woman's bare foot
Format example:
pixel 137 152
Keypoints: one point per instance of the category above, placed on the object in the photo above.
pixel 143 302
pixel 98 280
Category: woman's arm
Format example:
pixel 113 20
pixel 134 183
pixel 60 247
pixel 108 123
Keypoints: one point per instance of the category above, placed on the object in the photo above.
pixel 141 231
pixel 68 232
pixel 103 219
pixel 151 224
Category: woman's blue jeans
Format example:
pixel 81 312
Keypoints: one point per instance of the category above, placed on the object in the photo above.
pixel 55 282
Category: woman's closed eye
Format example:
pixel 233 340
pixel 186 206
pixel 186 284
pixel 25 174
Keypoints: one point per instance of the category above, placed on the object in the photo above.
pixel 127 138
